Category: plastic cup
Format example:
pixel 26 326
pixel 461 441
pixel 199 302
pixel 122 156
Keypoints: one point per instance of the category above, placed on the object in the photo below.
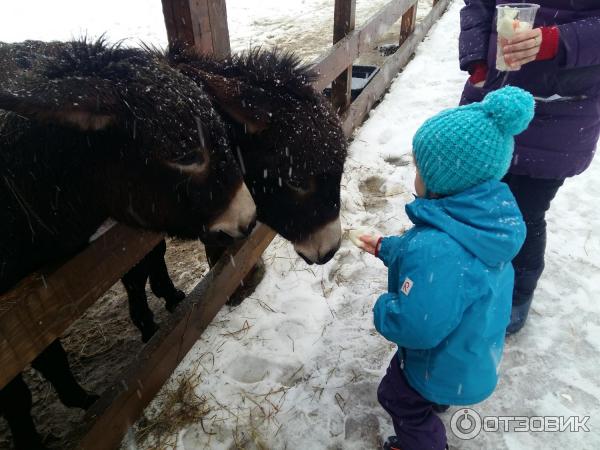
pixel 512 18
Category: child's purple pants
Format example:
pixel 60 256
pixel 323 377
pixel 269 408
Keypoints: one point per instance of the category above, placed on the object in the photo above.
pixel 416 425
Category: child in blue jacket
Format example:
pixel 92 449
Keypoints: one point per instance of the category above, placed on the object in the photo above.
pixel 450 277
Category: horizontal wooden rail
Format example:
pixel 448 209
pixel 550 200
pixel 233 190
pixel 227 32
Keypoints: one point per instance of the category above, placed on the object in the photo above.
pixel 123 403
pixel 382 81
pixel 43 305
pixel 342 54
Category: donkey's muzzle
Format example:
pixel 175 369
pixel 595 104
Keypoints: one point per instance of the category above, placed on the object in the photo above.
pixel 322 244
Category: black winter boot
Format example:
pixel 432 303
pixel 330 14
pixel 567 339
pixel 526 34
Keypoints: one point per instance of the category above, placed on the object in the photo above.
pixel 518 317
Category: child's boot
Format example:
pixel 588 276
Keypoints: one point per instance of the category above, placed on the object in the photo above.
pixel 518 317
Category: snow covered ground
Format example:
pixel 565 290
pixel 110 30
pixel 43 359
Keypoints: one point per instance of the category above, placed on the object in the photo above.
pixel 298 363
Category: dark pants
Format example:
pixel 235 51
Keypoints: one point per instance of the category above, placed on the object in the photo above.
pixel 416 425
pixel 533 196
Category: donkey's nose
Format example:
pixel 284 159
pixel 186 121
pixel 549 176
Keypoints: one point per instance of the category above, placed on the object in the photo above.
pixel 322 244
pixel 239 217
pixel 323 259
pixel 247 229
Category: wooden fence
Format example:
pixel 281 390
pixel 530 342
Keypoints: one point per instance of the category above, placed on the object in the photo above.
pixel 43 305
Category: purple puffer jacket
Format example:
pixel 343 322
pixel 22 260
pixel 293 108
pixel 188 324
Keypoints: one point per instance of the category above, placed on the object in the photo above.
pixel 562 138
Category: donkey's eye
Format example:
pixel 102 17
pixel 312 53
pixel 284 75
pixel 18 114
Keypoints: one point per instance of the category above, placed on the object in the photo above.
pixel 195 156
pixel 299 186
pixel 195 162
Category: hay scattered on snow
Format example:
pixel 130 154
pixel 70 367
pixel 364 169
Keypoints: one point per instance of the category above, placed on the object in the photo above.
pixel 178 407
pixel 93 337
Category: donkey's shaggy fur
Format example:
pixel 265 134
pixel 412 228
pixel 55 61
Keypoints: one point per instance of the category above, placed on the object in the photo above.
pixel 291 142
pixel 90 131
pixel 292 164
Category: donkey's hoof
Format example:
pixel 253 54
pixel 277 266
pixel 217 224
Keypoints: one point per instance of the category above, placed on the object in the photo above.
pixel 173 300
pixel 90 400
pixel 81 400
pixel 148 332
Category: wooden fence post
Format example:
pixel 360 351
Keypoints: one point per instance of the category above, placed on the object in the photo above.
pixel 409 21
pixel 201 24
pixel 343 23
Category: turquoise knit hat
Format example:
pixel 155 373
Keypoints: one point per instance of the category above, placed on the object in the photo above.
pixel 462 147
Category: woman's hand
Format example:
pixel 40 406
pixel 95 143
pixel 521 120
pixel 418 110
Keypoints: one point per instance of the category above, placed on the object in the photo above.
pixel 370 243
pixel 522 48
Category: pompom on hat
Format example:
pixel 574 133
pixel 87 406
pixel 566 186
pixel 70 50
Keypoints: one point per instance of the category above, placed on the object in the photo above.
pixel 462 147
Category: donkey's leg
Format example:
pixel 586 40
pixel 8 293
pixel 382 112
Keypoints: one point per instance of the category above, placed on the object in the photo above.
pixel 139 311
pixel 53 364
pixel 15 406
pixel 160 281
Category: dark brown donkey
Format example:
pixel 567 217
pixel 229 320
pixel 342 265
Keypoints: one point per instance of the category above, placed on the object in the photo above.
pixel 90 131
pixel 289 145
pixel 289 141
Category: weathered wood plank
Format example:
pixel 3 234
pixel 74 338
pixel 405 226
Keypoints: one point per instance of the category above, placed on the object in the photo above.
pixel 219 29
pixel 344 18
pixel 408 23
pixel 43 305
pixel 341 55
pixel 382 81
pixel 122 404
pixel 178 22
pixel 201 24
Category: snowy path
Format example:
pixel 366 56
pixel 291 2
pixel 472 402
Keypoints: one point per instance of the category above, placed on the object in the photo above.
pixel 298 364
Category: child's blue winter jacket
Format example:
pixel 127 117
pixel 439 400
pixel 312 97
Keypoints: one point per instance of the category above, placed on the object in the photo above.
pixel 450 288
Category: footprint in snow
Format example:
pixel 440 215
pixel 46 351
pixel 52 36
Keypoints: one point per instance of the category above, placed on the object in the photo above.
pixel 399 161
pixel 373 197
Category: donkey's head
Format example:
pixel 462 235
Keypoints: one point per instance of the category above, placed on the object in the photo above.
pixel 163 152
pixel 290 144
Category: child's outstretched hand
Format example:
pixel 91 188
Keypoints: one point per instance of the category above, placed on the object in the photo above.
pixel 365 238
pixel 370 244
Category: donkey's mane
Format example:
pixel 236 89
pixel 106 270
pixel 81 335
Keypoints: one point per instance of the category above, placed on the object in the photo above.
pixel 275 68
pixel 97 57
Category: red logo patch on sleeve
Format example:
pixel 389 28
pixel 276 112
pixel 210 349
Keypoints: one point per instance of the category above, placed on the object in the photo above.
pixel 407 286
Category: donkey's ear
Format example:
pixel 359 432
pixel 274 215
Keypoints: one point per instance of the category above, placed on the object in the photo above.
pixel 77 103
pixel 244 103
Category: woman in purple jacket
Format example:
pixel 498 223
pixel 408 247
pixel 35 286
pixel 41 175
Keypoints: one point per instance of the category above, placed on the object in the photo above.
pixel 559 63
